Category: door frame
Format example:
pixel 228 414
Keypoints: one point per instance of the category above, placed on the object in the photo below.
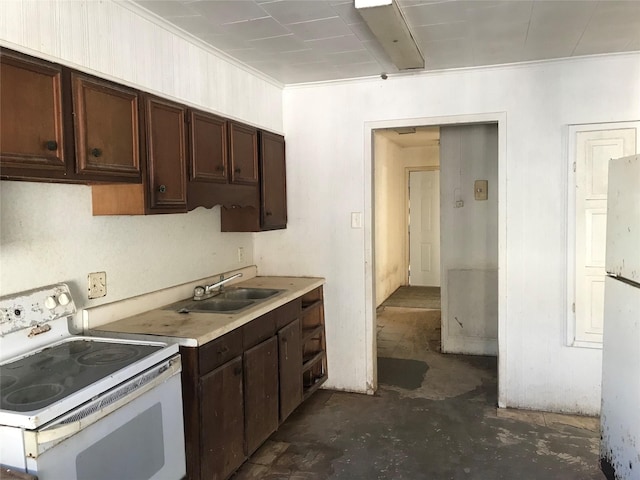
pixel 407 239
pixel 570 183
pixel 369 228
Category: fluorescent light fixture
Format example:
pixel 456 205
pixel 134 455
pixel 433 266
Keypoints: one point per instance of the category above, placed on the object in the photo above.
pixel 387 23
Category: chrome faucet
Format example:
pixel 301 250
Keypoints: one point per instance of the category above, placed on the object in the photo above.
pixel 202 293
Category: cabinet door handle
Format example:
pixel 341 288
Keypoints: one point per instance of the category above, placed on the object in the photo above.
pixel 220 168
pixel 237 371
pixel 268 214
pixel 238 170
pixel 223 350
pixel 162 188
pixel 96 152
pixel 51 145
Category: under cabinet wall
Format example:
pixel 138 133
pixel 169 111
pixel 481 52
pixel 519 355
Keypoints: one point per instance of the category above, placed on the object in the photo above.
pixel 47 231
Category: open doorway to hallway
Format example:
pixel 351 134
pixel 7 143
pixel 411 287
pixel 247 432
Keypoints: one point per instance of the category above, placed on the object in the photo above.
pixel 436 258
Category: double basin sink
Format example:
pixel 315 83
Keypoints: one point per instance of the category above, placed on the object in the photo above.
pixel 232 300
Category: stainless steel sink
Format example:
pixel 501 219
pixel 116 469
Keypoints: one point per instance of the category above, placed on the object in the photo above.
pixel 230 301
pixel 249 293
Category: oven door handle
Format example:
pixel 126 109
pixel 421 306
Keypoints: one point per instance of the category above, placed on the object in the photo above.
pixel 39 441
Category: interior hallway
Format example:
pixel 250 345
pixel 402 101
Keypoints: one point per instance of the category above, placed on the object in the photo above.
pixel 434 417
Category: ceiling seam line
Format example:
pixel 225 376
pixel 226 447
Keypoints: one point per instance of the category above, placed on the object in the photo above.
pixel 573 51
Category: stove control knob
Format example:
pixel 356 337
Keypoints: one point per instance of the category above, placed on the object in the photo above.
pixel 50 303
pixel 63 299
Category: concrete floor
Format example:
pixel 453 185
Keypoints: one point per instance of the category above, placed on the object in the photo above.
pixel 434 416
pixel 414 297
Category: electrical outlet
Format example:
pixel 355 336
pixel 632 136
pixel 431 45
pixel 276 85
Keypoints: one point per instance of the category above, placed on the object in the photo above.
pixel 240 254
pixel 97 284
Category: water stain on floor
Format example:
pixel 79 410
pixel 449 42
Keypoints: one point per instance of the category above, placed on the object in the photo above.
pixel 401 372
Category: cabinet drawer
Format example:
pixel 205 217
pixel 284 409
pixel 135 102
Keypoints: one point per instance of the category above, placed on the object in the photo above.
pixel 219 351
pixel 287 313
pixel 258 330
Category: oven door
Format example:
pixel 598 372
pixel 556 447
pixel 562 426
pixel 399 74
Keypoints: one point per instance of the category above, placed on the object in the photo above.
pixel 134 431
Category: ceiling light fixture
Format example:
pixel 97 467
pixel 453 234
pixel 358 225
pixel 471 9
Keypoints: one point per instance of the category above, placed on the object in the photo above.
pixel 404 130
pixel 387 23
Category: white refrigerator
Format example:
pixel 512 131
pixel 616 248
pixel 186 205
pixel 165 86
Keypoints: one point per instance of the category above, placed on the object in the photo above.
pixel 620 413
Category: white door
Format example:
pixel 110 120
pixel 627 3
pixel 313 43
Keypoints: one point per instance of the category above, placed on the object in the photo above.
pixel 424 228
pixel 593 149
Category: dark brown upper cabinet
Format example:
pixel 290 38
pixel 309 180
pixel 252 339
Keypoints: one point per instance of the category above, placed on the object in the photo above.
pixel 141 154
pixel 208 152
pixel 164 186
pixel 47 109
pixel 273 187
pixel 106 129
pixel 272 212
pixel 32 142
pixel 243 153
pixel 222 163
pixel 166 155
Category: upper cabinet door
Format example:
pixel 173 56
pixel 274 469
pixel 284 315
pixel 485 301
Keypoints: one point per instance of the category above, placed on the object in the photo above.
pixel 166 155
pixel 106 129
pixel 243 153
pixel 273 186
pixel 31 132
pixel 208 141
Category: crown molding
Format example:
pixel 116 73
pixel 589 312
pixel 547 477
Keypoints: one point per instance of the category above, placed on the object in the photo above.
pixel 166 25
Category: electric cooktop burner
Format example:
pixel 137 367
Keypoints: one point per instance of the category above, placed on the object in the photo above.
pixel 34 394
pixel 36 381
pixel 118 354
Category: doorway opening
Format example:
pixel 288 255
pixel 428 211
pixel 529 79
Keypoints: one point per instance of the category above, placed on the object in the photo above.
pixel 436 257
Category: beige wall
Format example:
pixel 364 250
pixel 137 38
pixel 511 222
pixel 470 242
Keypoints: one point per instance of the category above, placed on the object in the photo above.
pixel 390 221
pixel 392 163
pixel 425 156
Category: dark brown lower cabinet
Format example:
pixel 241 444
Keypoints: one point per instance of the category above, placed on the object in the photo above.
pixel 238 388
pixel 222 421
pixel 290 362
pixel 261 386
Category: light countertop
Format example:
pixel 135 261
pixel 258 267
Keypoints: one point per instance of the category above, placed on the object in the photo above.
pixel 195 328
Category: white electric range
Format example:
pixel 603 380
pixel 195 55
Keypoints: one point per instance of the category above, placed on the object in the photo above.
pixel 74 407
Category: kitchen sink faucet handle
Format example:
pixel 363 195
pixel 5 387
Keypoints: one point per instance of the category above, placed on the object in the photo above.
pixel 198 292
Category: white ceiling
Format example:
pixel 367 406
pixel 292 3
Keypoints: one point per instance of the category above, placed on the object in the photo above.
pixel 313 40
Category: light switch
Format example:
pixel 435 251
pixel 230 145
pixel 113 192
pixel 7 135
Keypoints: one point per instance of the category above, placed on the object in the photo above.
pixel 480 189
pixel 356 219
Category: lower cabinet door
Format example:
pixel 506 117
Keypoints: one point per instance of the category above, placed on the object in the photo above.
pixel 261 393
pixel 222 421
pixel 290 356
